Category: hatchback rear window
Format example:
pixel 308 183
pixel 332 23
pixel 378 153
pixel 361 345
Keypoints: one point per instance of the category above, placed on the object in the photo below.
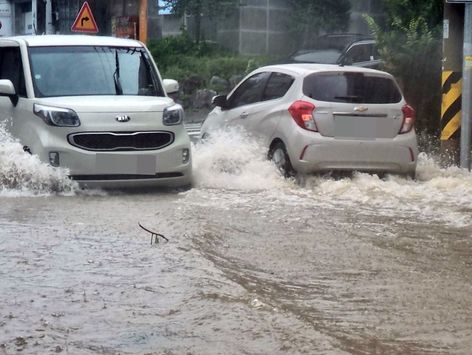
pixel 351 87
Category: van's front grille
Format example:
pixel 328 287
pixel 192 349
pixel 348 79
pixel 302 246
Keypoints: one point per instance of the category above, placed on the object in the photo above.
pixel 121 141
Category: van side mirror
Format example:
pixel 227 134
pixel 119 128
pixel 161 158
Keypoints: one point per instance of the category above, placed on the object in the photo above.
pixel 7 89
pixel 220 101
pixel 171 86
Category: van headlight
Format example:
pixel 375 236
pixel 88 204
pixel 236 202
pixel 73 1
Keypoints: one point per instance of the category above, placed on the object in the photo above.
pixel 56 116
pixel 173 115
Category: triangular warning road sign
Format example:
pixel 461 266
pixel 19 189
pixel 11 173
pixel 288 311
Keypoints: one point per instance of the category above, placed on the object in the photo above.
pixel 84 22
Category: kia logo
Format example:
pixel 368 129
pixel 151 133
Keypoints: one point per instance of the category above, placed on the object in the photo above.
pixel 123 118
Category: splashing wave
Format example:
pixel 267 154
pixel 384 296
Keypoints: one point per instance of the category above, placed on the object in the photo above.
pixel 234 161
pixel 22 174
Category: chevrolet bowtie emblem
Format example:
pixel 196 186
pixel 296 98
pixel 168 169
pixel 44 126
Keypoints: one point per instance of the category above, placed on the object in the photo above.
pixel 360 108
pixel 123 118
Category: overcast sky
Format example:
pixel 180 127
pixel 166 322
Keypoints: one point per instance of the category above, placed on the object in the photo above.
pixel 162 11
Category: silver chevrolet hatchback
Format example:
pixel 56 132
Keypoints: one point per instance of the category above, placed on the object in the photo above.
pixel 315 118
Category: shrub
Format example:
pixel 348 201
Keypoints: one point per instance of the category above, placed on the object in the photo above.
pixel 409 43
pixel 194 64
pixel 412 54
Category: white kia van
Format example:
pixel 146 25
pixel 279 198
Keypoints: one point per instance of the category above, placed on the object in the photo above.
pixel 96 106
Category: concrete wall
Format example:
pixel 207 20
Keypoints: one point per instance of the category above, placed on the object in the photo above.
pixel 263 27
pixel 153 29
pixel 256 27
pixel 271 18
pixel 260 27
pixel 6 18
pixel 170 25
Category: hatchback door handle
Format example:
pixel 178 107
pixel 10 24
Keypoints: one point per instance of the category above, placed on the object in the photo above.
pixel 244 115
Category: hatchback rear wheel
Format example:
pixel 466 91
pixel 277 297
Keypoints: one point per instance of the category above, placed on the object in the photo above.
pixel 278 154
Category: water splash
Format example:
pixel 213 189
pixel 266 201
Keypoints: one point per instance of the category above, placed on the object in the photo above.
pixel 232 160
pixel 22 174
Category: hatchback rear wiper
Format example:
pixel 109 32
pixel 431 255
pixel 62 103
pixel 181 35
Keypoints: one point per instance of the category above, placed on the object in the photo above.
pixel 349 98
pixel 116 75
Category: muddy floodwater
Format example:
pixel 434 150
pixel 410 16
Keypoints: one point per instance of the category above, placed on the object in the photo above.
pixel 254 264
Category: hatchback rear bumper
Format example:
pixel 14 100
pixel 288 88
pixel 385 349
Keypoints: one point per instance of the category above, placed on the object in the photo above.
pixel 370 156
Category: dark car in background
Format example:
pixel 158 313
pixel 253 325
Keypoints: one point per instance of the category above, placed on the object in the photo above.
pixel 339 48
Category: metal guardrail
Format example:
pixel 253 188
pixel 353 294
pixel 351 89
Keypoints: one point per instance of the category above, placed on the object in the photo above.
pixel 193 130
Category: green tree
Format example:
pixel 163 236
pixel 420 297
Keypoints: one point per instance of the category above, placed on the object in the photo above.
pixel 198 9
pixel 403 11
pixel 309 18
pixel 410 45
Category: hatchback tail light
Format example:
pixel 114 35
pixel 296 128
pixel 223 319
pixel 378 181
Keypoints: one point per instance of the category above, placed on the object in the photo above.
pixel 409 117
pixel 302 113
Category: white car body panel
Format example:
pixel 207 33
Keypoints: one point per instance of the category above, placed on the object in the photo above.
pixel 260 119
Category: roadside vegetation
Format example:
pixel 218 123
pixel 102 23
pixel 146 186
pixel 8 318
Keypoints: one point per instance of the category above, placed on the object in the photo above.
pixel 200 65
pixel 408 36
pixel 410 44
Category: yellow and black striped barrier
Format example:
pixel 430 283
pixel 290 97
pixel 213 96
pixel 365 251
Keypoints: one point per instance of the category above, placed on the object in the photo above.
pixel 451 105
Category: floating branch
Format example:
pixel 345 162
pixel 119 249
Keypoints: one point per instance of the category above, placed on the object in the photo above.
pixel 154 235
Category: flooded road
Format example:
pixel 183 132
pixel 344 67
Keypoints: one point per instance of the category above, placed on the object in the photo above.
pixel 255 264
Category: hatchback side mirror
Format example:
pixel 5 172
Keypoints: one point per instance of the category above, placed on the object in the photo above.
pixel 7 89
pixel 220 101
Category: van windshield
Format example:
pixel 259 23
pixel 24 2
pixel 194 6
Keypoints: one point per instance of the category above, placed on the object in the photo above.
pixel 92 70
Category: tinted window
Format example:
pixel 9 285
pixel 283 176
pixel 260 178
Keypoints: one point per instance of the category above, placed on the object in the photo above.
pixel 11 67
pixel 359 53
pixel 375 52
pixel 88 70
pixel 323 56
pixel 277 86
pixel 249 91
pixel 351 87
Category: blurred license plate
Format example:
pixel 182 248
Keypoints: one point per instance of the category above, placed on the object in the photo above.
pixel 354 127
pixel 126 164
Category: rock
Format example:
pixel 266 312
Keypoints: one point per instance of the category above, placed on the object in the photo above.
pixel 218 84
pixel 203 98
pixel 20 341
pixel 190 84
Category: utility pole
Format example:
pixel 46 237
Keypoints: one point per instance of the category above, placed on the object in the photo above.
pixel 456 112
pixel 467 88
pixel 143 19
pixel 34 18
pixel 49 15
pixel 453 35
